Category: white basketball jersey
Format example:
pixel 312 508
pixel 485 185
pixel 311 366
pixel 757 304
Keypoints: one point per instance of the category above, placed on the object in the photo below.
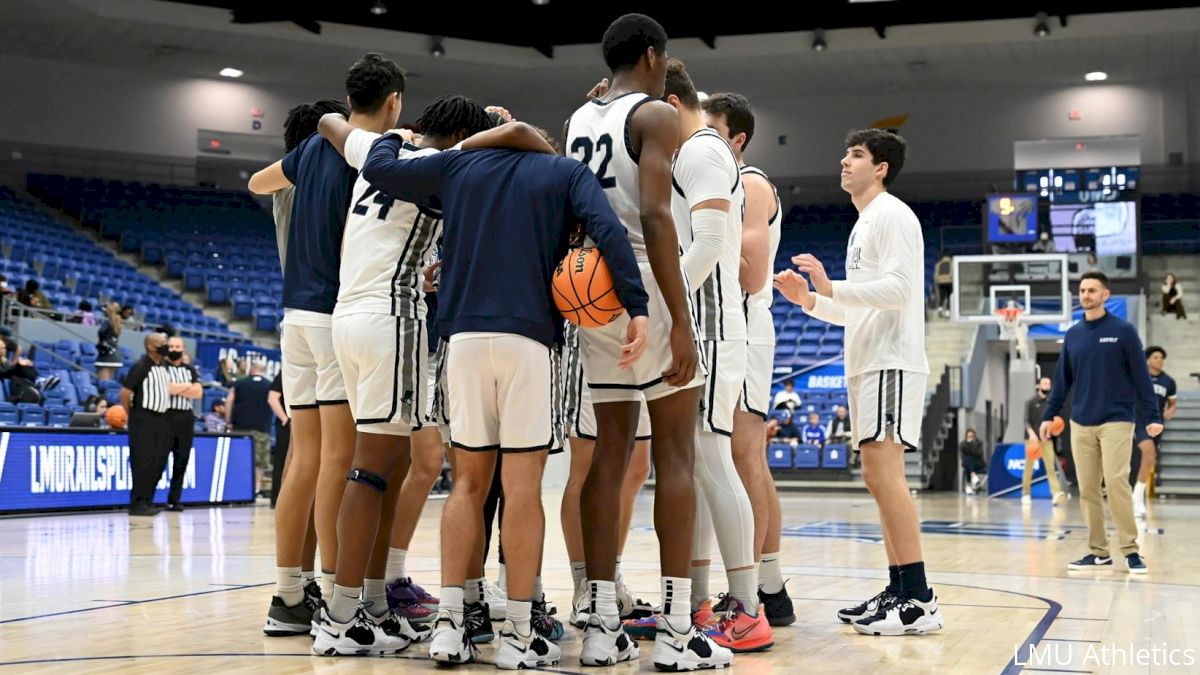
pixel 598 135
pixel 385 243
pixel 705 168
pixel 764 295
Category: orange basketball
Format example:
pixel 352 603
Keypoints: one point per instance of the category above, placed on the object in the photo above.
pixel 583 289
pixel 116 417
pixel 1057 426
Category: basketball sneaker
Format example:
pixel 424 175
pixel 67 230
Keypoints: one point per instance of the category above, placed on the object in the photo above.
pixel 312 597
pixel 866 609
pixel 627 605
pixel 495 598
pixel 525 651
pixel 689 650
pixel 777 606
pixel 477 623
pixel 605 646
pixel 283 621
pixel 360 636
pixel 394 624
pixel 411 601
pixel 642 629
pixel 739 632
pixel 546 626
pixel 904 616
pixel 579 606
pixel 449 643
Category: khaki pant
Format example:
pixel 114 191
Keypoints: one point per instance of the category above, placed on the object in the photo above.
pixel 1049 462
pixel 1103 452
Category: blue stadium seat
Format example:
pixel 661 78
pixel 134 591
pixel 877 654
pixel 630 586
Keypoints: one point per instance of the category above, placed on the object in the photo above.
pixel 58 416
pixel 779 456
pixel 835 456
pixel 9 414
pixel 32 414
pixel 807 457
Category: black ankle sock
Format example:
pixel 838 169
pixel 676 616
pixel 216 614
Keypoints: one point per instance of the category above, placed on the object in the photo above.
pixel 893 578
pixel 912 581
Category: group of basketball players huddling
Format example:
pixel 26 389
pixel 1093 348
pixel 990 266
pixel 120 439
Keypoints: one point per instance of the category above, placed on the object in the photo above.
pixel 466 220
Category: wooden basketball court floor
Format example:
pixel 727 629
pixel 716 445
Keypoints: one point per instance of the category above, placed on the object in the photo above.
pixel 187 593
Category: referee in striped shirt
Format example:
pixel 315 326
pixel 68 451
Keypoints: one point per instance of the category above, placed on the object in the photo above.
pixel 184 388
pixel 146 397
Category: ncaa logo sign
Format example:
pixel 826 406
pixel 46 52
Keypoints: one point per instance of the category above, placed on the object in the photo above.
pixel 1014 461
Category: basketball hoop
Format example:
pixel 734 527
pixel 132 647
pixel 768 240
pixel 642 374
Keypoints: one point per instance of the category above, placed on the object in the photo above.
pixel 1009 319
pixel 1014 330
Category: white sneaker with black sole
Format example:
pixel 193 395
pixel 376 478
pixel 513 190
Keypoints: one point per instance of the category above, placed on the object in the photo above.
pixel 1091 562
pixel 449 643
pixel 525 651
pixel 903 616
pixel 691 650
pixel 628 606
pixel 360 636
pixel 865 609
pixel 580 603
pixel 396 625
pixel 496 599
pixel 605 646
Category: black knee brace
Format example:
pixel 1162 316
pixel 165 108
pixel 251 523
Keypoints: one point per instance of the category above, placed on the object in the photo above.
pixel 369 479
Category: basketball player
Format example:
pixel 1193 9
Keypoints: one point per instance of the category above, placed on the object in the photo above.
pixel 628 138
pixel 880 304
pixel 506 215
pixel 731 116
pixel 312 381
pixel 1164 392
pixel 707 205
pixel 580 422
pixel 301 122
pixel 385 246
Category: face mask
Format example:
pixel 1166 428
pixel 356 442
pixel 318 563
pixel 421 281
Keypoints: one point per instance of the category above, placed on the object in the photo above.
pixel 1044 392
pixel 163 350
pixel 174 356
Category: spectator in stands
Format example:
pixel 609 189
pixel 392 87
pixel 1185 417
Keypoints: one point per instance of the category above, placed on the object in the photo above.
pixel 1172 298
pixel 1044 244
pixel 787 397
pixel 95 404
pixel 108 353
pixel 787 431
pixel 814 433
pixel 839 427
pixel 248 412
pixel 943 276
pixel 974 467
pixel 85 316
pixel 20 372
pixel 4 289
pixel 33 296
pixel 1093 264
pixel 214 421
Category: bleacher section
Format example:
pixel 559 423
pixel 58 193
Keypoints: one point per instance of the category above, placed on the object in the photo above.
pixel 219 243
pixel 71 268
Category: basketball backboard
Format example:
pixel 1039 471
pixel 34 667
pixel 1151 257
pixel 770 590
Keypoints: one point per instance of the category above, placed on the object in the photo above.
pixel 1038 284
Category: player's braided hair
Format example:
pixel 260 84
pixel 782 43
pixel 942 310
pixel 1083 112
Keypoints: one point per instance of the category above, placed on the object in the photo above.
pixel 450 115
